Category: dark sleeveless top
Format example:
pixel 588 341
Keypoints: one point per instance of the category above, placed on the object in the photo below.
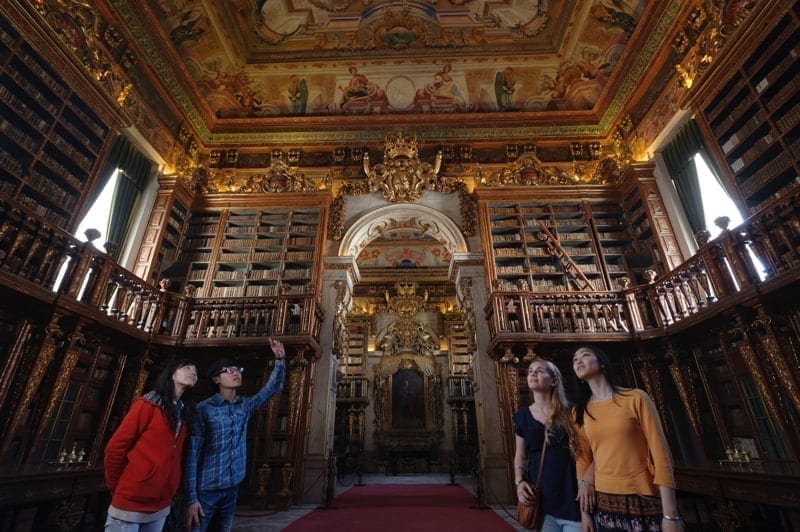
pixel 559 483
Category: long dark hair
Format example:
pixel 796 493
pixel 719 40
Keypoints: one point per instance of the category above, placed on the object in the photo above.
pixel 582 390
pixel 165 389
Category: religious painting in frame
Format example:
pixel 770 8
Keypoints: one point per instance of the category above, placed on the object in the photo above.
pixel 408 401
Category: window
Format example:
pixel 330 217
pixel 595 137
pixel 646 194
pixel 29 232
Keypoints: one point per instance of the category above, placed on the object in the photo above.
pixel 97 218
pixel 717 202
pixel 99 213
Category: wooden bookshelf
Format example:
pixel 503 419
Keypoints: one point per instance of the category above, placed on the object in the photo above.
pixel 592 234
pixel 754 118
pixel 250 252
pixel 50 140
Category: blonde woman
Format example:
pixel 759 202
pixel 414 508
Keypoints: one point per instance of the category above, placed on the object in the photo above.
pixel 551 412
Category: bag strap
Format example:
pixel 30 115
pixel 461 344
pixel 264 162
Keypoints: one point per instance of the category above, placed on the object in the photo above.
pixel 541 460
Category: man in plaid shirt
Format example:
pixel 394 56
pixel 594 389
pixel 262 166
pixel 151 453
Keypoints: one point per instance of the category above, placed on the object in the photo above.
pixel 215 463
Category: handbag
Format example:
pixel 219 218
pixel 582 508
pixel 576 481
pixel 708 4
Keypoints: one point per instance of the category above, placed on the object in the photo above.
pixel 530 515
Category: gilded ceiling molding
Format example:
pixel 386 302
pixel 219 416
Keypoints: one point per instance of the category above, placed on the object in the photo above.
pixel 162 66
pixel 528 170
pixel 708 28
pixel 279 177
pixel 644 58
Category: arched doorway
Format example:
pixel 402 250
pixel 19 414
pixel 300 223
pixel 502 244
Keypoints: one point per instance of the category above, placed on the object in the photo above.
pixel 405 353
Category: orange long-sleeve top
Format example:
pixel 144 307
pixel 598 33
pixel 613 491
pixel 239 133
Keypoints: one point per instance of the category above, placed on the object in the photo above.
pixel 624 431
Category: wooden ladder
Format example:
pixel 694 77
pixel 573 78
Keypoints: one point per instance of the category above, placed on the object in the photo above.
pixel 555 250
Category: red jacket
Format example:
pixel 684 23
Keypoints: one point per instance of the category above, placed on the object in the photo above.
pixel 143 459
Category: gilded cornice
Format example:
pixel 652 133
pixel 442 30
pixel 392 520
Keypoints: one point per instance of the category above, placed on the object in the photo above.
pixel 644 59
pixel 161 65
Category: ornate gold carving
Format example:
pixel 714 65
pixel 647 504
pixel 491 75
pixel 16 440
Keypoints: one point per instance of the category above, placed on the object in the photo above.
pixel 707 29
pixel 770 346
pixel 686 393
pixel 341 335
pixel 406 303
pixel 67 365
pixel 41 366
pixel 468 310
pixel 402 176
pixel 652 383
pixel 528 170
pixel 751 361
pixel 278 177
pixel 407 335
pixel 297 379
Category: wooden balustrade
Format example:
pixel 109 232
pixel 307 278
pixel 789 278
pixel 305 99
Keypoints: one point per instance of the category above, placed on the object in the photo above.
pixel 352 388
pixel 283 315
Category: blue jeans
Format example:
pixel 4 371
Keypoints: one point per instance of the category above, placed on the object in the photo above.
pixel 219 503
pixel 118 525
pixel 555 524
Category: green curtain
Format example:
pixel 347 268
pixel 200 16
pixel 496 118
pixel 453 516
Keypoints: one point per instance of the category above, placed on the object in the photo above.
pixel 134 170
pixel 679 158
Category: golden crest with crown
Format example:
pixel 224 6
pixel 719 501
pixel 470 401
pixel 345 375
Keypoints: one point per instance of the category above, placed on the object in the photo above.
pixel 402 176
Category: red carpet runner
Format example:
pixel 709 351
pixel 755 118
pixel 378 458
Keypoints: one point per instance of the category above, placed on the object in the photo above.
pixel 402 507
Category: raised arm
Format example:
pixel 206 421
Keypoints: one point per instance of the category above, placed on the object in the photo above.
pixel 274 384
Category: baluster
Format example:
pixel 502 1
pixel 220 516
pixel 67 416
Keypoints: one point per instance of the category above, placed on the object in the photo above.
pixel 39 238
pixel 236 325
pixel 149 319
pixel 148 302
pixel 202 324
pixel 222 330
pixel 191 330
pixel 19 241
pixel 680 306
pixel 687 293
pixel 246 330
pixel 764 249
pixel 212 323
pixel 663 306
pixel 134 307
pixel 538 322
pixel 587 318
pixel 563 321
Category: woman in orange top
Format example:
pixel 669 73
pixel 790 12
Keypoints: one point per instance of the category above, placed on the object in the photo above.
pixel 633 472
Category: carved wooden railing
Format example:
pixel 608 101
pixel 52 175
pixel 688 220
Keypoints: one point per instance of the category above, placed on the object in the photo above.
pixel 352 388
pixel 282 315
pixel 39 258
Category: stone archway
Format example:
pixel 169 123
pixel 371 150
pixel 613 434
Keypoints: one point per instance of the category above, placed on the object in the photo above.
pixel 432 222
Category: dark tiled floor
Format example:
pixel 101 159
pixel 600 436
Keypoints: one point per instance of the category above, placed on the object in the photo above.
pixel 259 521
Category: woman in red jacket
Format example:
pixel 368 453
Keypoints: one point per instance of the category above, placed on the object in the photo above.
pixel 143 459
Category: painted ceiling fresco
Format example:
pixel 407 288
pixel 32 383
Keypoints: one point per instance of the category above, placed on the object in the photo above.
pixel 288 58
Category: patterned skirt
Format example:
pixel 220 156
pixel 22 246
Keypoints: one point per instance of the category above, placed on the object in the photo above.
pixel 629 513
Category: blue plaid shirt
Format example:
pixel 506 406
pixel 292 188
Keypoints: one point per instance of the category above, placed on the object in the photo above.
pixel 218 443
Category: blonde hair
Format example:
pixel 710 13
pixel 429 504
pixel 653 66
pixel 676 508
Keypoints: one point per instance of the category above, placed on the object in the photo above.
pixel 559 407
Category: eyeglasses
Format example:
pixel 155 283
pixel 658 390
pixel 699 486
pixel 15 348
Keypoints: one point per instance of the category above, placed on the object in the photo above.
pixel 231 369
